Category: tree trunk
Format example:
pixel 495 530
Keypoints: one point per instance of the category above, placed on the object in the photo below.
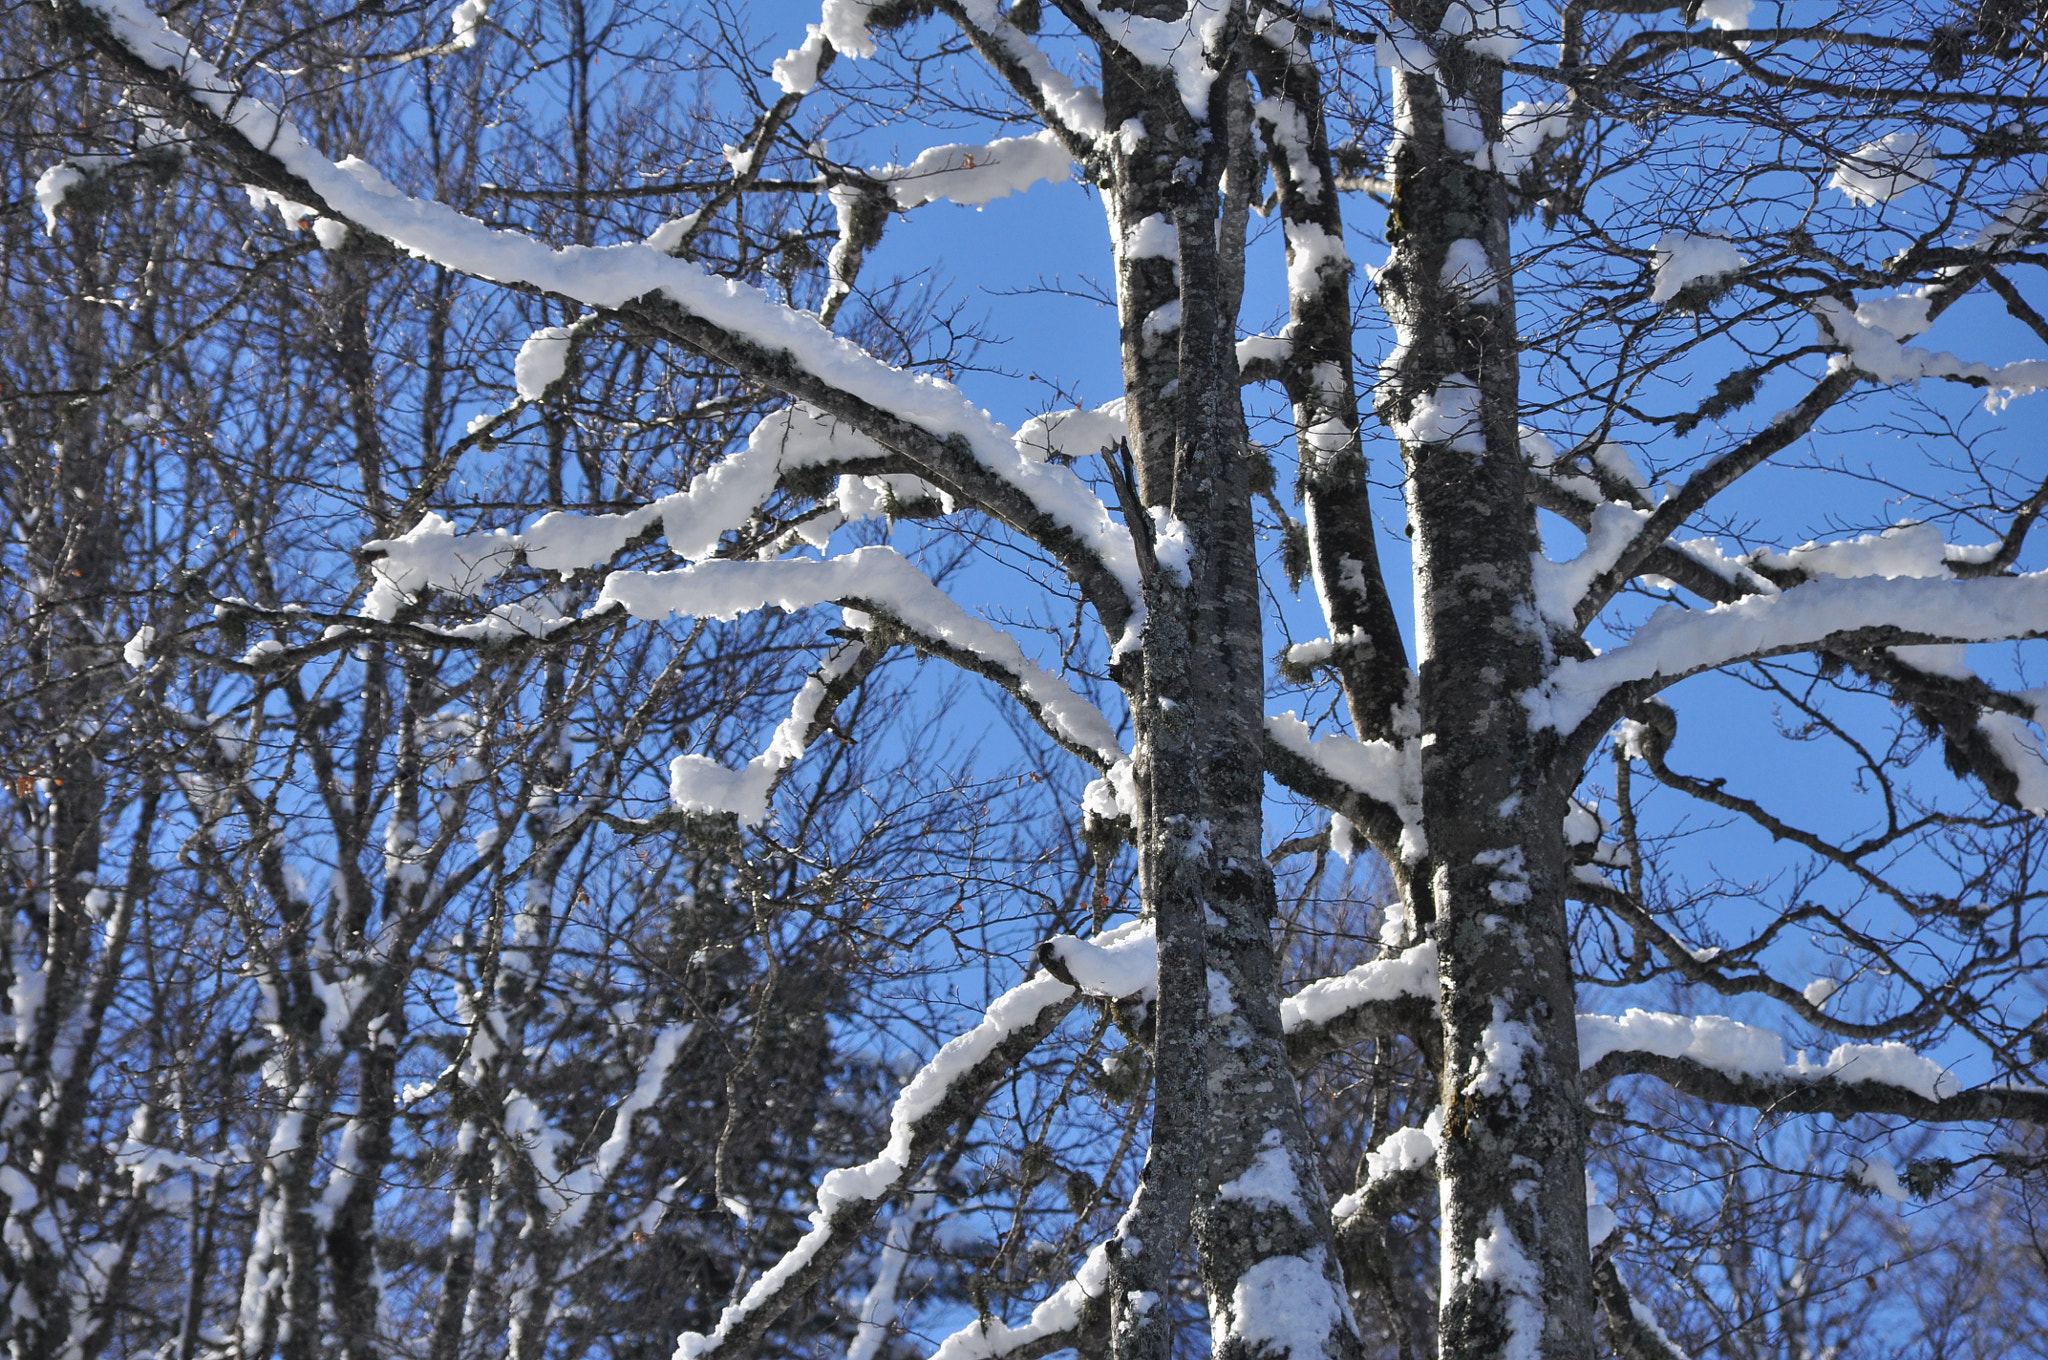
pixel 1516 1277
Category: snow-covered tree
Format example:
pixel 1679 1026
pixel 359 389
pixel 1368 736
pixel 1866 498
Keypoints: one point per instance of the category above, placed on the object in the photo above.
pixel 1653 271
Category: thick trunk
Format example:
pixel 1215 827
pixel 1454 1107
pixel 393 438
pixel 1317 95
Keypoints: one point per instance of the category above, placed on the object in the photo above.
pixel 1515 1271
pixel 1231 1150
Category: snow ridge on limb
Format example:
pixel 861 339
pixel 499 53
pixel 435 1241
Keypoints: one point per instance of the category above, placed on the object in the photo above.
pixel 944 1090
pixel 1631 1328
pixel 729 320
pixel 1393 995
pixel 1892 612
pixel 878 581
pixel 569 1192
pixel 1053 1325
pixel 1878 327
pixel 1738 1049
pixel 1073 112
pixel 722 498
pixel 701 785
pixel 1730 1063
pixel 1386 773
pixel 972 175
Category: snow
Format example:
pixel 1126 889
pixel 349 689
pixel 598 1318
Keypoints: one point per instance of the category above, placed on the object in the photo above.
pixel 1119 963
pixel 2020 752
pixel 1526 130
pixel 876 579
pixel 1269 1181
pixel 1682 259
pixel 1380 770
pixel 1469 273
pixel 989 1338
pixel 431 555
pixel 541 362
pixel 1882 1177
pixel 699 784
pixel 1073 433
pixel 1560 586
pixel 1403 1150
pixel 1448 415
pixel 136 653
pixel 580 1187
pixel 1498 1260
pixel 883 1175
pixel 1172 547
pixel 1872 348
pixel 1272 349
pixel 1820 990
pixel 1675 643
pixel 51 188
pixel 1500 1066
pixel 1288 129
pixel 466 20
pixel 609 276
pixel 1310 252
pixel 1114 795
pixel 1489 27
pixel 796 71
pixel 1727 15
pixel 1742 1050
pixel 1152 238
pixel 975 175
pixel 1600 1219
pixel 1287 1305
pixel 1412 973
pixel 878 1308
pixel 1178 45
pixel 1344 841
pixel 1878 172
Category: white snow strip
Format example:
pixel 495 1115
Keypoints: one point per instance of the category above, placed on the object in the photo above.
pixel 1380 770
pixel 992 1338
pixel 1118 963
pixel 1411 973
pixel 1676 643
pixel 1878 172
pixel 877 577
pixel 699 784
pixel 1682 259
pixel 1742 1050
pixel 1873 348
pixel 540 362
pixel 974 175
pixel 1287 1305
pixel 883 1175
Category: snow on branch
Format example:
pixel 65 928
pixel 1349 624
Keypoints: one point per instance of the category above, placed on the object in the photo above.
pixel 1892 612
pixel 702 785
pixel 974 175
pixel 1180 46
pixel 1872 343
pixel 1386 773
pixel 944 1090
pixel 1053 1324
pixel 723 498
pixel 729 320
pixel 1740 1050
pixel 873 580
pixel 1631 1328
pixel 1072 112
pixel 569 1191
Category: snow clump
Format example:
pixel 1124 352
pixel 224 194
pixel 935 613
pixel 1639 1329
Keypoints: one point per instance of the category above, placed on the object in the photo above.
pixel 1683 259
pixel 1878 172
